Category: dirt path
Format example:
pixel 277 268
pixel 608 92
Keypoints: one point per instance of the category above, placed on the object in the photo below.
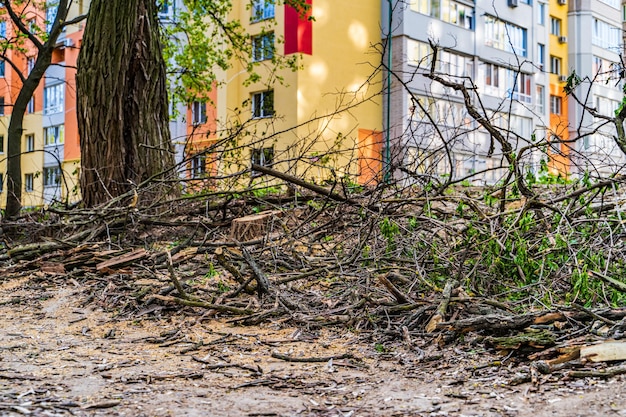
pixel 61 354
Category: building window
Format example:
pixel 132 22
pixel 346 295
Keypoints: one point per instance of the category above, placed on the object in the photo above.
pixel 555 104
pixel 612 3
pixel 29 180
pixel 518 85
pixel 51 177
pixel 30 108
pixel 541 101
pixel 263 157
pixel 542 14
pixel 605 35
pixel 1 143
pixel 505 36
pixel 54 98
pixel 51 14
pixel 606 106
pixel 1 106
pixel 262 10
pixel 605 70
pixel 541 56
pixel 421 6
pixel 418 54
pixel 263 47
pixel 3 29
pixel 30 64
pixel 455 65
pixel 198 166
pixel 555 65
pixel 198 112
pixel 166 9
pixel 555 26
pixel 449 11
pixel 2 68
pixel 30 143
pixel 53 135
pixel 263 104
pixel 492 75
pixel 1 183
pixel 453 12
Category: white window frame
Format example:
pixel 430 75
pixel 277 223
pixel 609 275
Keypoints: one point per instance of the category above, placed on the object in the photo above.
pixel 541 56
pixel 541 100
pixel 555 26
pixel 52 177
pixel 30 64
pixel 29 142
pixel 555 65
pixel 506 36
pixel 54 135
pixel 198 113
pixel 261 156
pixel 263 46
pixel 54 98
pixel 198 166
pixel 52 8
pixel 30 107
pixel 449 11
pixel 262 10
pixel 606 35
pixel 556 104
pixel 166 9
pixel 29 182
pixel 260 106
pixel 519 85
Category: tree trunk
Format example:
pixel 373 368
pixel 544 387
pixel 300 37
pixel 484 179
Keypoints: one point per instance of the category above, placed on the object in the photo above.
pixel 14 146
pixel 122 102
pixel 30 84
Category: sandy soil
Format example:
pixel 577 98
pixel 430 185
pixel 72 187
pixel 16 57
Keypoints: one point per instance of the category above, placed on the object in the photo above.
pixel 62 354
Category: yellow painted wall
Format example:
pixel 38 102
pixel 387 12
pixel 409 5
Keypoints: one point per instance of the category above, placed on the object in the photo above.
pixel 559 162
pixel 322 105
pixel 32 162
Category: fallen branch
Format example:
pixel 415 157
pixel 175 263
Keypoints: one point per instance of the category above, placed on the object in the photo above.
pixel 263 285
pixel 202 304
pixel 442 309
pixel 398 295
pixel 288 358
pixel 297 181
pixel 609 373
pixel 255 369
pixel 620 286
pixel 175 281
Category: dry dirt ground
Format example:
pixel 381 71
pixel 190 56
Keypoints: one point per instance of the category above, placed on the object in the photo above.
pixel 62 354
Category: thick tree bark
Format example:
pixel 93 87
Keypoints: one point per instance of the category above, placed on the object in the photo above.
pixel 122 101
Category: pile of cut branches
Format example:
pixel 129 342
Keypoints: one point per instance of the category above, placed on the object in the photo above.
pixel 521 275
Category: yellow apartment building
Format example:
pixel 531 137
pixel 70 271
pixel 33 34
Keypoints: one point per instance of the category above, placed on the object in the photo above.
pixel 560 146
pixel 325 118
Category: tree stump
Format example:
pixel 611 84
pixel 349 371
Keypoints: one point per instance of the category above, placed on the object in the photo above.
pixel 252 226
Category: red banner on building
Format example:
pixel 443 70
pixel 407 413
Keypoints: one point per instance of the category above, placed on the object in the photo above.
pixel 298 30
